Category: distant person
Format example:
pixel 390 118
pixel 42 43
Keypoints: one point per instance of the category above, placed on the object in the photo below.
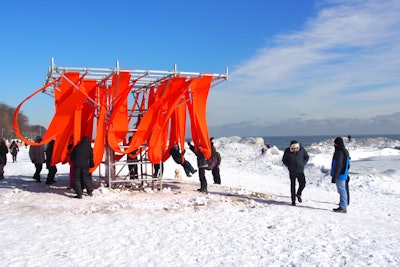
pixel 349 138
pixel 51 168
pixel 14 149
pixel 70 147
pixel 179 158
pixel 202 165
pixel 3 157
pixel 215 169
pixel 82 158
pixel 339 172
pixel 295 158
pixel 132 160
pixel 37 156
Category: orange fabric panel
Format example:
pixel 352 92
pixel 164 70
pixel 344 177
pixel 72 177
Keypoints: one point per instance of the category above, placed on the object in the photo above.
pixel 15 121
pixel 118 124
pixel 169 98
pixel 199 89
pixel 99 143
pixel 62 125
pixel 145 127
pixel 88 109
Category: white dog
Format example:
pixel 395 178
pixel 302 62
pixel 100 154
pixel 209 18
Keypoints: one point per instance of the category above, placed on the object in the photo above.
pixel 178 175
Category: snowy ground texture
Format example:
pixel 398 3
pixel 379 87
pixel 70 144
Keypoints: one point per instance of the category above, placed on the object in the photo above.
pixel 246 221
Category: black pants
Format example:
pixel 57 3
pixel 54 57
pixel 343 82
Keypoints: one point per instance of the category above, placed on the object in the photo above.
pixel 82 179
pixel 302 184
pixel 203 180
pixel 38 167
pixel 187 167
pixel 216 175
pixel 51 174
pixel 133 170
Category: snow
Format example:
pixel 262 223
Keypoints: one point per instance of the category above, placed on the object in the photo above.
pixel 246 221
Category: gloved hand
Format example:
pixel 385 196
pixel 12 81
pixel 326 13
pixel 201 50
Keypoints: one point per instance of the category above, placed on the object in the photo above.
pixel 333 180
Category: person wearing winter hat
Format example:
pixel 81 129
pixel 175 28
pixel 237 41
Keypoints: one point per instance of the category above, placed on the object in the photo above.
pixel 295 158
pixel 340 172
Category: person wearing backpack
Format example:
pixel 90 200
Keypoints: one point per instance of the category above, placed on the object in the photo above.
pixel 216 156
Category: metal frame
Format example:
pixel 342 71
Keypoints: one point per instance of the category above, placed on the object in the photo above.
pixel 142 80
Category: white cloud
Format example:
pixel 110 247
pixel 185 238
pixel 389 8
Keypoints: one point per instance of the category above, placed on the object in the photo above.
pixel 343 63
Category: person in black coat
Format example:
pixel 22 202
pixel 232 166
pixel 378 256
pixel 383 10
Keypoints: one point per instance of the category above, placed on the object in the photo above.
pixel 82 158
pixel 52 168
pixel 295 158
pixel 340 174
pixel 202 164
pixel 3 157
pixel 215 170
pixel 179 159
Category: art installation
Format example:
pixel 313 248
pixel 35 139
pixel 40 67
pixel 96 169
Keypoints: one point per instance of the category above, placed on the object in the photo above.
pixel 110 105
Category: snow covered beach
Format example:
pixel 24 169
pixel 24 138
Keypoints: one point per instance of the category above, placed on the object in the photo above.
pixel 246 221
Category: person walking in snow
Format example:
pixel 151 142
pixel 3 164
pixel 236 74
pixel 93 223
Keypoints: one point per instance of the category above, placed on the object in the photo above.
pixel 14 149
pixel 82 158
pixel 295 158
pixel 3 157
pixel 340 172
pixel 52 168
pixel 179 158
pixel 37 156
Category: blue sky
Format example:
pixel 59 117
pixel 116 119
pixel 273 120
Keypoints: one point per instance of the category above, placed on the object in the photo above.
pixel 296 67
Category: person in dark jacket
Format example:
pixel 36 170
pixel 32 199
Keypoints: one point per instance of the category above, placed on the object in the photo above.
pixel 52 168
pixel 82 158
pixel 180 159
pixel 38 157
pixel 14 149
pixel 3 157
pixel 295 158
pixel 340 173
pixel 215 170
pixel 202 164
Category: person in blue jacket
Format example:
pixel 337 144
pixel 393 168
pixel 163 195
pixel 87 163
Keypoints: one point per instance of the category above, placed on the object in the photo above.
pixel 340 173
pixel 295 158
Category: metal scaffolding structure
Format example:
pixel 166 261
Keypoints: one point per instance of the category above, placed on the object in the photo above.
pixel 116 167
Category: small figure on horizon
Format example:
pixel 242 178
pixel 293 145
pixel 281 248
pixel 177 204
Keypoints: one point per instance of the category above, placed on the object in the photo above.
pixel 179 158
pixel 349 138
pixel 340 173
pixel 3 157
pixel 37 156
pixel 295 158
pixel 14 149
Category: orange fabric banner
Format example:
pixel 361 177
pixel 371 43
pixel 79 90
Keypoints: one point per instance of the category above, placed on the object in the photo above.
pixel 199 89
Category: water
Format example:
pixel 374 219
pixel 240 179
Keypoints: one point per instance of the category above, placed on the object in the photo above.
pixel 283 142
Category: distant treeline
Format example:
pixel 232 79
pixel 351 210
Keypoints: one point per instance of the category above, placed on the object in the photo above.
pixel 6 124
